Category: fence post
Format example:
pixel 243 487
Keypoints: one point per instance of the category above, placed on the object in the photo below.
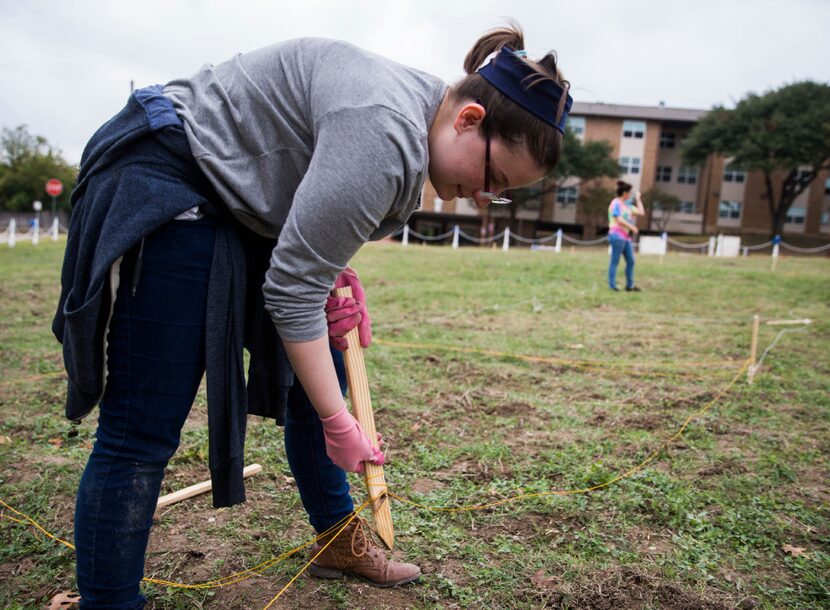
pixel 558 247
pixel 506 245
pixel 775 245
pixel 455 237
pixel 12 232
pixel 53 232
pixel 712 242
pixel 719 246
pixel 36 232
pixel 405 240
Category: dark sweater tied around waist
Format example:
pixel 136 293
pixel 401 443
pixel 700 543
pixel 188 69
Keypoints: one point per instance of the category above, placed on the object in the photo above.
pixel 113 208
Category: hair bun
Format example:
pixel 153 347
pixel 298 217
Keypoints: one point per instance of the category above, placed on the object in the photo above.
pixel 510 35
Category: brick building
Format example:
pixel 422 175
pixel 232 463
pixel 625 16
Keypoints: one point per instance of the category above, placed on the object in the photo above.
pixel 715 197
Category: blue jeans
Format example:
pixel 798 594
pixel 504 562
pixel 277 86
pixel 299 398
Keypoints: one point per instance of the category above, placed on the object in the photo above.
pixel 620 246
pixel 156 347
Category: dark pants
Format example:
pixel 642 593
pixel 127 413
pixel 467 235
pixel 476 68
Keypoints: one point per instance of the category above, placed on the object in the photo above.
pixel 156 347
pixel 620 246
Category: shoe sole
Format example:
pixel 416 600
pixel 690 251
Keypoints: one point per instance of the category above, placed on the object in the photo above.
pixel 321 572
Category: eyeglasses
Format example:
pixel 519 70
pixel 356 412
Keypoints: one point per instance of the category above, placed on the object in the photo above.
pixel 486 193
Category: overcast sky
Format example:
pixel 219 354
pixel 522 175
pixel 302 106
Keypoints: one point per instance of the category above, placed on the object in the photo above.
pixel 66 65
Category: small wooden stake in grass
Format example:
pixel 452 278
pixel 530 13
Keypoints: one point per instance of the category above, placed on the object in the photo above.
pixel 753 350
pixel 804 322
pixel 362 407
pixel 200 488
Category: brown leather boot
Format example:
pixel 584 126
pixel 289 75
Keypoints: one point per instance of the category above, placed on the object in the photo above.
pixel 353 552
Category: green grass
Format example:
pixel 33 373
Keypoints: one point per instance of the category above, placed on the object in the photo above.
pixel 703 526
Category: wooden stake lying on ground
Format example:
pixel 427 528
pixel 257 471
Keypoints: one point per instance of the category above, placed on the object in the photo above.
pixel 200 488
pixel 805 322
pixel 362 408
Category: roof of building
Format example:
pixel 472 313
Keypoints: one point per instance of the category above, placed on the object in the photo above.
pixel 659 113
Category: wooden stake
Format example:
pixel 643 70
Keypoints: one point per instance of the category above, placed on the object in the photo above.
pixel 805 322
pixel 200 488
pixel 362 408
pixel 753 350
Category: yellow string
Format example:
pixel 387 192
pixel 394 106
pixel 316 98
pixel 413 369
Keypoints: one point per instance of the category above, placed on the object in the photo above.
pixel 258 569
pixel 310 561
pixel 576 363
pixel 220 582
pixel 36 525
pixel 651 457
pixel 13 519
pixel 239 576
pixel 573 362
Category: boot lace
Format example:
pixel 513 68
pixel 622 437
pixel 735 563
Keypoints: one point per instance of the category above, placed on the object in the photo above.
pixel 360 539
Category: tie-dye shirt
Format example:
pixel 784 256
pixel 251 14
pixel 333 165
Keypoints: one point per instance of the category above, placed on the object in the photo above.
pixel 619 208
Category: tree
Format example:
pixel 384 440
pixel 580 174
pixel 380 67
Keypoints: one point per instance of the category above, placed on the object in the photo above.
pixel 593 203
pixel 784 134
pixel 584 161
pixel 668 204
pixel 26 163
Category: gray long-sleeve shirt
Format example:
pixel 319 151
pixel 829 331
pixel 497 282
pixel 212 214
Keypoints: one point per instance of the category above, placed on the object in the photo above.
pixel 318 143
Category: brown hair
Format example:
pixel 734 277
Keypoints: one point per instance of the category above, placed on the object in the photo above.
pixel 505 119
pixel 622 187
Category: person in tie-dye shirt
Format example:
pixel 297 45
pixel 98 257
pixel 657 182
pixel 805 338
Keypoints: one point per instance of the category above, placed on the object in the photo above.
pixel 621 227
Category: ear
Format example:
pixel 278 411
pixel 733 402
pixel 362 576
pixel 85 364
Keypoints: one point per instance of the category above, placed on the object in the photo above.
pixel 469 117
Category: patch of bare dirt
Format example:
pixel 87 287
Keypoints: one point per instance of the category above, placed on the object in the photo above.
pixel 509 409
pixel 634 589
pixel 725 466
pixel 646 421
pixel 525 527
pixel 450 568
pixel 426 486
pixel 479 471
pixel 648 541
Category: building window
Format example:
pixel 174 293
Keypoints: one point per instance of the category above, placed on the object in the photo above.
pixel 796 216
pixel 687 207
pixel 825 218
pixel 577 125
pixel 729 209
pixel 567 195
pixel 687 174
pixel 634 129
pixel 663 173
pixel 630 165
pixel 801 174
pixel 733 174
pixel 827 187
pixel 667 139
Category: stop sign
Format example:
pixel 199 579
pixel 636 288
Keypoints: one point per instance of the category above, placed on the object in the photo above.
pixel 54 187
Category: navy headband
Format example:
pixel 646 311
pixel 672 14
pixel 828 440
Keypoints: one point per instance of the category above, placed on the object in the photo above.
pixel 508 73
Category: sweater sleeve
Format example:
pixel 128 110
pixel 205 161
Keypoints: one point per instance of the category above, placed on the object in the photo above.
pixel 362 162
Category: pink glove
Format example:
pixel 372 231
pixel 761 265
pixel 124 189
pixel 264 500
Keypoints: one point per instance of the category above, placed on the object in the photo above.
pixel 346 443
pixel 364 325
pixel 342 314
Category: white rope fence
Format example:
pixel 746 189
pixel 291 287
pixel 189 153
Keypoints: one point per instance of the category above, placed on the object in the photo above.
pixel 680 244
pixel 726 246
pixel 579 242
pixel 721 245
pixel 11 235
pixel 824 248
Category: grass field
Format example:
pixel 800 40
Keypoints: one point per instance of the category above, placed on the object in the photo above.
pixel 735 513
